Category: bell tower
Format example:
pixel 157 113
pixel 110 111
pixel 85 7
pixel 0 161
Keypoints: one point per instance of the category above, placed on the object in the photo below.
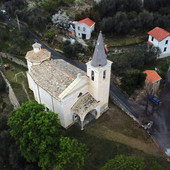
pixel 99 72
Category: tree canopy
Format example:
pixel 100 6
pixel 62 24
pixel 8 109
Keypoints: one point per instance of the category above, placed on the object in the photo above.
pixel 132 81
pixel 41 138
pixel 72 154
pixel 37 133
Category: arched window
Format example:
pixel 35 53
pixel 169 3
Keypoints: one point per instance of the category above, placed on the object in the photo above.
pixel 92 75
pixel 104 74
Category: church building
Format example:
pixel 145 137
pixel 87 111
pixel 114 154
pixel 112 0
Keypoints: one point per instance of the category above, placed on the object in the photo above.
pixel 76 96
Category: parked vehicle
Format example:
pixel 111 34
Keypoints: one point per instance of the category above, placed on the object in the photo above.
pixel 155 100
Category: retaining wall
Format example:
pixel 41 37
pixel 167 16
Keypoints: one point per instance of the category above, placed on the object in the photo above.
pixel 12 97
pixel 14 59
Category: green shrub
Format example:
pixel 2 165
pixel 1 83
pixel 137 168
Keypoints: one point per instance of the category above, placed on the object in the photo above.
pixel 132 81
pixel 122 162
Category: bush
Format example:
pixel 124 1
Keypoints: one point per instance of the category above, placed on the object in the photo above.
pixel 163 68
pixel 132 81
pixel 49 34
pixel 122 162
pixel 107 25
pixel 72 50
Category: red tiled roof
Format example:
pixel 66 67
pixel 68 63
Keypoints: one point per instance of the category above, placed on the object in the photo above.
pixel 159 33
pixel 38 57
pixel 87 21
pixel 150 43
pixel 152 76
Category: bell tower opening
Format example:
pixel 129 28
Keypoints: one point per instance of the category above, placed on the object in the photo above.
pixel 104 74
pixel 92 75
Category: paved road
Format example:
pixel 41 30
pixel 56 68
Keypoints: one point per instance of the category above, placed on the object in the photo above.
pixel 161 128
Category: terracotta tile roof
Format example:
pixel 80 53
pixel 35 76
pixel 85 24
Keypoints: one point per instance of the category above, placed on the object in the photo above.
pixel 38 57
pixel 152 76
pixel 87 21
pixel 150 43
pixel 159 33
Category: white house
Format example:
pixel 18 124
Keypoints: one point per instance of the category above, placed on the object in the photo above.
pixel 158 37
pixel 77 96
pixel 84 28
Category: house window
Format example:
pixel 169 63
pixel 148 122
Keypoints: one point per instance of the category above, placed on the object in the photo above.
pixel 79 34
pixel 152 38
pixel 104 74
pixel 166 42
pixel 78 28
pixel 84 29
pixel 92 75
pixel 80 94
pixel 164 49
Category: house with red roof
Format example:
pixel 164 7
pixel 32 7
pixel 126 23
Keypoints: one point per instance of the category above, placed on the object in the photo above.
pixel 84 28
pixel 159 37
pixel 153 79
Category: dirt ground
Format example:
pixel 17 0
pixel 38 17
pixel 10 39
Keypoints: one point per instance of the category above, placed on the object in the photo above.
pixel 115 125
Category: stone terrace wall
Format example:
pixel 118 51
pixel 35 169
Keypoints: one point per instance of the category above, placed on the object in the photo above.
pixel 12 97
pixel 14 59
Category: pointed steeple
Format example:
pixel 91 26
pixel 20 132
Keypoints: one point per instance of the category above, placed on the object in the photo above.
pixel 99 56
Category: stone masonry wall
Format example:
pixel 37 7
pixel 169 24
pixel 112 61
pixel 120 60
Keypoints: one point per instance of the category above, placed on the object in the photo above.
pixel 14 59
pixel 12 97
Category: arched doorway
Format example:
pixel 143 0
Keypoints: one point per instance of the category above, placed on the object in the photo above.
pixel 90 116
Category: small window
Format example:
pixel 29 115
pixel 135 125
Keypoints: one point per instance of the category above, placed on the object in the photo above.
pixel 166 42
pixel 104 74
pixel 78 28
pixel 80 94
pixel 79 34
pixel 152 38
pixel 92 75
pixel 164 49
pixel 84 29
pixel 47 109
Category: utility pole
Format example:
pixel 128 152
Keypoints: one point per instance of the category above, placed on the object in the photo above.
pixel 18 23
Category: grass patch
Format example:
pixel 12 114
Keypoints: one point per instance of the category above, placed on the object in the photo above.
pixel 17 85
pixel 115 133
pixel 126 40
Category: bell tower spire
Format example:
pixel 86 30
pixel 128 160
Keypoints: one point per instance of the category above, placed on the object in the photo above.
pixel 99 56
